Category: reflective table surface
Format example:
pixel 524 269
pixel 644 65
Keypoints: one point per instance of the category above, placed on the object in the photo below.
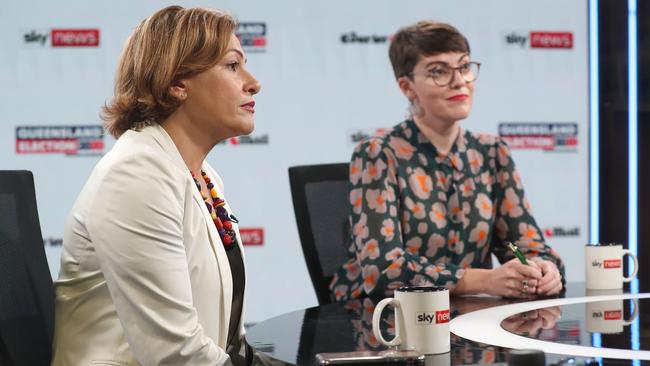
pixel 295 338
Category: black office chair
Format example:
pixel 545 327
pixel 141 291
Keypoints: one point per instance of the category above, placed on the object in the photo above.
pixel 321 204
pixel 26 291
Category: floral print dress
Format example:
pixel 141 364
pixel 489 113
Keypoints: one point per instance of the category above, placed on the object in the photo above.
pixel 418 217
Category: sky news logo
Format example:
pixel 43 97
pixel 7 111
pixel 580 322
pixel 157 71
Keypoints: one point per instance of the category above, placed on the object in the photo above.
pixel 67 140
pixel 60 37
pixel 437 317
pixel 252 36
pixel 556 137
pixel 560 231
pixel 607 263
pixel 262 139
pixel 540 40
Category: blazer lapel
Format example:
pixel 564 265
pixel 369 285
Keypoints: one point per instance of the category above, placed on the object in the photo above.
pixel 162 138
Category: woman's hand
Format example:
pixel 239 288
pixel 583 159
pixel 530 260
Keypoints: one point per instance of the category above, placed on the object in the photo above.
pixel 551 282
pixel 514 279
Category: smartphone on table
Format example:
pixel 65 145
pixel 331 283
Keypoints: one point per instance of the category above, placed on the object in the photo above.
pixel 388 357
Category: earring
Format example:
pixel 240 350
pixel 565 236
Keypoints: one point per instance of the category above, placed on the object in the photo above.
pixel 415 109
pixel 183 95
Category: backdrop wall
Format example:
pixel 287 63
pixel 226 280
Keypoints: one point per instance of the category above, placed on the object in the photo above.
pixel 326 80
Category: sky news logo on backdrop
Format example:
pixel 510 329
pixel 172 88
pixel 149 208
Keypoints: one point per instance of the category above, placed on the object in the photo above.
pixel 67 140
pixel 559 137
pixel 63 37
pixel 261 139
pixel 562 232
pixel 358 135
pixel 356 38
pixel 540 40
pixel 252 36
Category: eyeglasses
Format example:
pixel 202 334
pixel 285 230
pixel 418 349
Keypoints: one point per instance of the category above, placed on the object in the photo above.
pixel 443 75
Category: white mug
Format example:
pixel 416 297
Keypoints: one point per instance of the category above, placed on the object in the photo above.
pixel 421 319
pixel 608 317
pixel 604 266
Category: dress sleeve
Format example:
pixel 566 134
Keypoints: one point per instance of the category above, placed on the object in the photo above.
pixel 137 229
pixel 514 220
pixel 385 261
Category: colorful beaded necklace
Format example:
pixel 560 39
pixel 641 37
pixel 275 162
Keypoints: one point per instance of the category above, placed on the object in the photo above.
pixel 222 220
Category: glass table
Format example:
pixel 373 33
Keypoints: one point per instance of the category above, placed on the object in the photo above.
pixel 295 338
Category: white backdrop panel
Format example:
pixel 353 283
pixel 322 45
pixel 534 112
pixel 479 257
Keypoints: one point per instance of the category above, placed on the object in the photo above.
pixel 316 92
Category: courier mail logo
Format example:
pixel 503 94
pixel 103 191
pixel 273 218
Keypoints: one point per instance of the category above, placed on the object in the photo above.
pixel 354 37
pixel 427 318
pixel 63 37
pixel 261 139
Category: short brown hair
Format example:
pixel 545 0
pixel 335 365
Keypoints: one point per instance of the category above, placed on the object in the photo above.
pixel 424 38
pixel 172 44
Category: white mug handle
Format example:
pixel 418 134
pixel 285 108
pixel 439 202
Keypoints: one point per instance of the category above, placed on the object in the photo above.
pixel 376 317
pixel 634 313
pixel 636 265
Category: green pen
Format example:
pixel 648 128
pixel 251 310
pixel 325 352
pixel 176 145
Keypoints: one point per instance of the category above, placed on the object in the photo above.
pixel 517 252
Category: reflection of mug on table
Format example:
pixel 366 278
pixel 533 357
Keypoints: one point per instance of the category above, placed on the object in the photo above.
pixel 604 266
pixel 607 316
pixel 421 319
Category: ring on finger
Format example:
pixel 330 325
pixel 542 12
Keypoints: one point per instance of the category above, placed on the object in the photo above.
pixel 524 285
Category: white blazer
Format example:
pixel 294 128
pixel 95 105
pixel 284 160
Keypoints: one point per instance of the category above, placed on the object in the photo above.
pixel 144 279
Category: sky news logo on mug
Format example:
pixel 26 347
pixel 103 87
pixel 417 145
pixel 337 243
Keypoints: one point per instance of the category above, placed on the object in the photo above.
pixel 607 263
pixel 437 317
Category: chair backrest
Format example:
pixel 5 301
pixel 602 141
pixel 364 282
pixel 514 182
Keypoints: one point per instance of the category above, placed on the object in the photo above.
pixel 26 290
pixel 321 205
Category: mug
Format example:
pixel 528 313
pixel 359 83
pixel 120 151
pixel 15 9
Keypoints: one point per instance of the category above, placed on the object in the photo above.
pixel 421 319
pixel 608 317
pixel 604 266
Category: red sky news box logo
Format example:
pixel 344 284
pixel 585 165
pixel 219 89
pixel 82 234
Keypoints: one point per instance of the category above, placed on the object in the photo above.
pixel 75 37
pixel 613 315
pixel 551 40
pixel 252 236
pixel 612 263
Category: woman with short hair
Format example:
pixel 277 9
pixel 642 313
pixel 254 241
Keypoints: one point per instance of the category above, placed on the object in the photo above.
pixel 430 200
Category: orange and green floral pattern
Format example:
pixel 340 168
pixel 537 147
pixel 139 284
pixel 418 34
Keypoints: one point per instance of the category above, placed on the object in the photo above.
pixel 418 217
